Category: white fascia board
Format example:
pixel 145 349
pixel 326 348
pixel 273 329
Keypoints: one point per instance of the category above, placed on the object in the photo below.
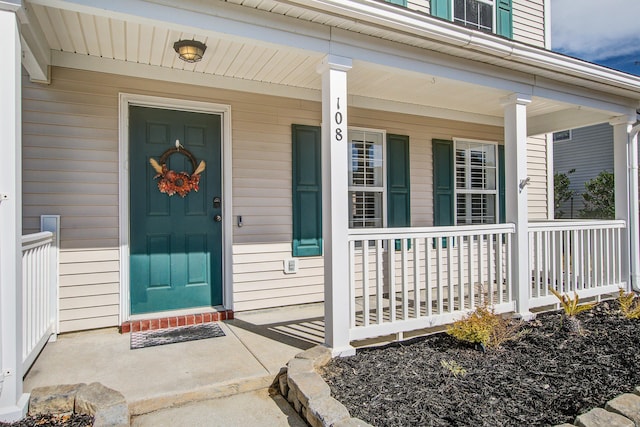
pixel 132 69
pixel 584 97
pixel 225 20
pixel 563 120
pixel 11 5
pixel 36 57
pixel 102 65
pixel 410 23
pixel 423 110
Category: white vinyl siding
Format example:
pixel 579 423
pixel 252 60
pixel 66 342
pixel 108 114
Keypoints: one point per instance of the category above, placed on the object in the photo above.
pixel 529 22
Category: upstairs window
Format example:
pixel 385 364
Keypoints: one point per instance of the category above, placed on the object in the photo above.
pixel 476 14
pixel 564 135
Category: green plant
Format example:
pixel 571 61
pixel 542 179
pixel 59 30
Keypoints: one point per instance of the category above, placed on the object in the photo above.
pixel 629 305
pixel 599 200
pixel 453 367
pixel 561 191
pixel 485 328
pixel 571 308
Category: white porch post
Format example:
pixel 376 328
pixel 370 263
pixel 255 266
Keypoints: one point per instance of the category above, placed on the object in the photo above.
pixel 621 165
pixel 634 209
pixel 515 153
pixel 335 208
pixel 13 403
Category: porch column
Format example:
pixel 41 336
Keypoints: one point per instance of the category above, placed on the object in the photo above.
pixel 634 208
pixel 335 207
pixel 621 165
pixel 517 211
pixel 13 403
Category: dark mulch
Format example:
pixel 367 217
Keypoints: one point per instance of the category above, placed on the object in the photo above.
pixel 547 377
pixel 73 420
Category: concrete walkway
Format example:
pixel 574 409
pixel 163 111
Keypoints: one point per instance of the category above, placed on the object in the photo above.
pixel 255 346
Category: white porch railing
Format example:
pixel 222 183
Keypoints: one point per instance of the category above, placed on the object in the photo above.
pixel 573 256
pixel 410 278
pixel 38 311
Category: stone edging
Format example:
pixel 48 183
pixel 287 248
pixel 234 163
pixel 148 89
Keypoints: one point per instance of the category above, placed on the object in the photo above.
pixel 107 406
pixel 309 394
pixel 622 411
pixel 311 397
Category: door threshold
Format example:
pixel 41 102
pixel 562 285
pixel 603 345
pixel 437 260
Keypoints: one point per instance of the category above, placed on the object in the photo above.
pixel 164 320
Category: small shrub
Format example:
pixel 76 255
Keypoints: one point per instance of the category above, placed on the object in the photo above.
pixel 629 305
pixel 571 309
pixel 453 367
pixel 570 305
pixel 485 328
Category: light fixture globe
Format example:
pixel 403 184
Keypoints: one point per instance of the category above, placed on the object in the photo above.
pixel 190 50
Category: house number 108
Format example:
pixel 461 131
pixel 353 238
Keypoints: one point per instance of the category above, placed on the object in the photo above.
pixel 338 120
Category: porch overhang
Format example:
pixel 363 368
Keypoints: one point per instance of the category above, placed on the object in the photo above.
pixel 403 61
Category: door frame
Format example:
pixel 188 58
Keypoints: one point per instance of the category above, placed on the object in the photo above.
pixel 224 111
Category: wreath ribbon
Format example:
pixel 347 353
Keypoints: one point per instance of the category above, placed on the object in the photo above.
pixel 172 182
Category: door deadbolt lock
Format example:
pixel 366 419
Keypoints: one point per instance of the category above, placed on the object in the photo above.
pixel 217 218
pixel 216 202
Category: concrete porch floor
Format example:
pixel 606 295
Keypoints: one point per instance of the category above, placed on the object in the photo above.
pixel 255 346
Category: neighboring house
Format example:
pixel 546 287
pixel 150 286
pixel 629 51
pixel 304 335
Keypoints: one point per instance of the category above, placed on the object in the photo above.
pixel 588 151
pixel 346 142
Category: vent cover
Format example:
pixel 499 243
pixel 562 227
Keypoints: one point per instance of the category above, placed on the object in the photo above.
pixel 291 266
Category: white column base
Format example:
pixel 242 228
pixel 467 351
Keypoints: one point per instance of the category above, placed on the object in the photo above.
pixel 14 413
pixel 345 351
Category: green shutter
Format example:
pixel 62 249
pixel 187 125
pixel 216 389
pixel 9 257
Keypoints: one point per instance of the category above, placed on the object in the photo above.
pixel 307 191
pixel 441 9
pixel 502 218
pixel 398 2
pixel 443 184
pixel 398 189
pixel 504 20
pixel 443 174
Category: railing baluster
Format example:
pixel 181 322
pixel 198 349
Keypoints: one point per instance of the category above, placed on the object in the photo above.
pixel 405 281
pixel 416 277
pixel 481 289
pixel 460 274
pixel 392 279
pixel 365 282
pixel 352 284
pixel 472 294
pixel 379 283
pixel 439 275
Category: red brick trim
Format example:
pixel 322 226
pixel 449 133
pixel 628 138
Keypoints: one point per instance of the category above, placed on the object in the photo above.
pixel 172 321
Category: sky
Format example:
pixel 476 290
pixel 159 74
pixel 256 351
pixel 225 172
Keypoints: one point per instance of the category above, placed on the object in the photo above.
pixel 606 32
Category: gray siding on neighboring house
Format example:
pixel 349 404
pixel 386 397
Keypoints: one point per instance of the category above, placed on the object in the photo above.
pixel 589 152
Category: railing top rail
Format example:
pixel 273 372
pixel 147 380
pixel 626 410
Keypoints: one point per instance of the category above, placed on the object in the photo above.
pixel 30 241
pixel 424 232
pixel 576 225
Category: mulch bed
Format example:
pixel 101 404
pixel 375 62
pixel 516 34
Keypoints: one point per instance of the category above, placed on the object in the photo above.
pixel 547 377
pixel 73 420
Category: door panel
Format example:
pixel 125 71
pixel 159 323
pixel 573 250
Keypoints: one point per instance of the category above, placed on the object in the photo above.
pixel 175 244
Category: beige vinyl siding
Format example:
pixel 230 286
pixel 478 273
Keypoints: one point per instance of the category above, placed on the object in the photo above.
pixel 528 22
pixel 537 172
pixel 71 169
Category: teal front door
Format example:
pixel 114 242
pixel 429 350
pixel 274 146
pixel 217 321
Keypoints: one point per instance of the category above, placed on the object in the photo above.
pixel 175 242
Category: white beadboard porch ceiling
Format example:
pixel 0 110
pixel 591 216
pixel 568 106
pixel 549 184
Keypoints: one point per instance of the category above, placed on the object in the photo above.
pixel 107 37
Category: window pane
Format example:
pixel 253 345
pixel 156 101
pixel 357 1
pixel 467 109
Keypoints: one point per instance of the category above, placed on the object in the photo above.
pixel 365 168
pixel 476 208
pixel 365 209
pixel 474 14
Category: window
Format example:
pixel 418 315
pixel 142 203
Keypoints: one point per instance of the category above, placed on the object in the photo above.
pixel 366 178
pixel 476 190
pixel 491 16
pixel 476 14
pixel 564 135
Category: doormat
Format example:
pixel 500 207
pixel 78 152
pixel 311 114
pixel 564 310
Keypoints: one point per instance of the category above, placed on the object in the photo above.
pixel 175 335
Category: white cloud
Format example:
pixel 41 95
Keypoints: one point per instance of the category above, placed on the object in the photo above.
pixel 595 29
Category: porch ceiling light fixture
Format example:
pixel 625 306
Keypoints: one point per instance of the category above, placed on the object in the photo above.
pixel 190 50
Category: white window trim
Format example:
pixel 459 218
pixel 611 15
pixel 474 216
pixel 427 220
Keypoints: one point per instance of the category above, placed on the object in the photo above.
pixel 384 169
pixel 457 191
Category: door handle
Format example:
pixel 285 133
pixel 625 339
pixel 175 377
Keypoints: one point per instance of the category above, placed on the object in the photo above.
pixel 217 218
